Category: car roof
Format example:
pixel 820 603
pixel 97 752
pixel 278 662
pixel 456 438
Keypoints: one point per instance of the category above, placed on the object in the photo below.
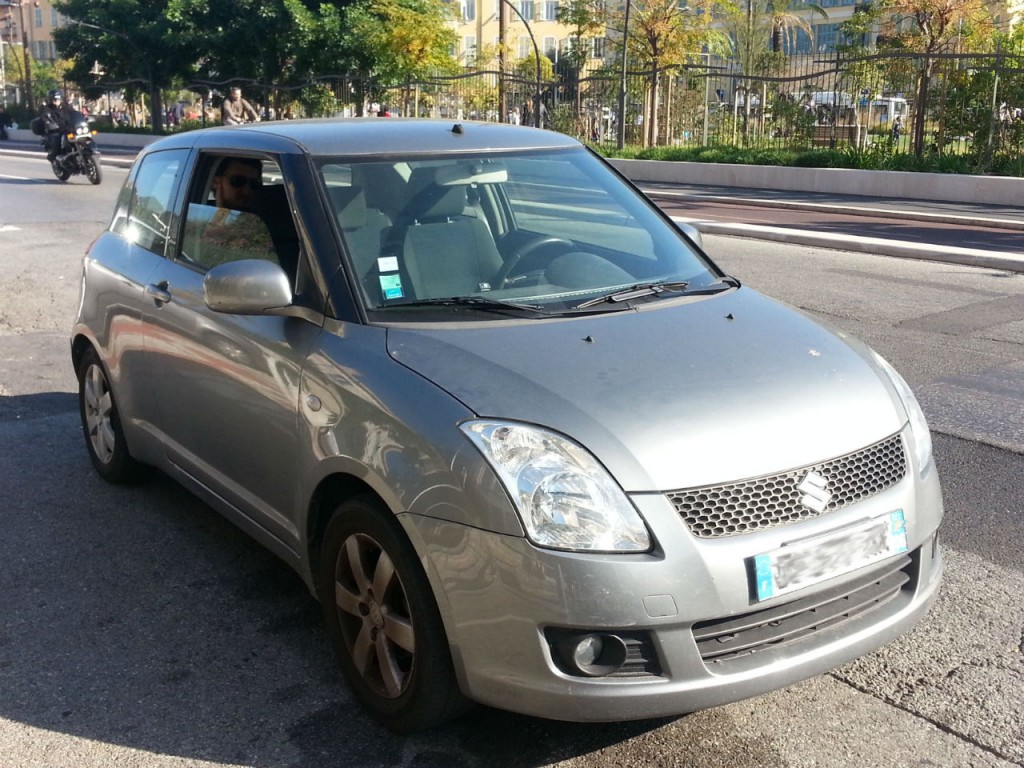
pixel 381 136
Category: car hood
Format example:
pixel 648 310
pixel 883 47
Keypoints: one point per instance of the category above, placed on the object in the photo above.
pixel 672 395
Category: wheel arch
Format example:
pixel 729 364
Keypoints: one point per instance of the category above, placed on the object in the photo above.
pixel 79 344
pixel 330 493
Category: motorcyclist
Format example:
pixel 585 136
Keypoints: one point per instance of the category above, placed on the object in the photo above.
pixel 56 116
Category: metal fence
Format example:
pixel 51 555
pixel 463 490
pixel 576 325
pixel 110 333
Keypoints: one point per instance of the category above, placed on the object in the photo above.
pixel 973 106
pixel 793 102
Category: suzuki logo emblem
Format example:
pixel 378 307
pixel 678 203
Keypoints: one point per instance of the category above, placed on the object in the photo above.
pixel 815 492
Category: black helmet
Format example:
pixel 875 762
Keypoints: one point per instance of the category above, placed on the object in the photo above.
pixel 54 95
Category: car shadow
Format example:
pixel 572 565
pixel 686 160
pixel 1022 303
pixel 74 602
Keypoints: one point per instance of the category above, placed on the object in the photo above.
pixel 137 617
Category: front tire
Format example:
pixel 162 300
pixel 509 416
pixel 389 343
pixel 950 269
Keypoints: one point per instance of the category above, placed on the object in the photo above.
pixel 62 173
pixel 383 620
pixel 92 169
pixel 101 422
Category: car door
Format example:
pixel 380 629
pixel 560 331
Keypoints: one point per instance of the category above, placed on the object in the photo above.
pixel 127 256
pixel 227 386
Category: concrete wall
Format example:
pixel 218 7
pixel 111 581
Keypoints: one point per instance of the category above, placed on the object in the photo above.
pixel 126 140
pixel 997 190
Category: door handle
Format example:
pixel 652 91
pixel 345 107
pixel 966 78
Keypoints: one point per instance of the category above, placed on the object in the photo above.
pixel 159 292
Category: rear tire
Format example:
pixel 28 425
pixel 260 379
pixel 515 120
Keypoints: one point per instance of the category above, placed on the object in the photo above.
pixel 92 169
pixel 383 620
pixel 101 422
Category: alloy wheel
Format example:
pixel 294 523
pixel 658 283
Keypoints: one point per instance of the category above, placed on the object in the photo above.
pixel 373 611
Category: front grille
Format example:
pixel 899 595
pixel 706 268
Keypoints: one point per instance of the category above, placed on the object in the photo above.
pixel 766 502
pixel 723 640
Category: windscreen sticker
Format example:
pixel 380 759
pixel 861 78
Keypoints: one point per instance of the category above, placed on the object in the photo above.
pixel 391 286
pixel 387 264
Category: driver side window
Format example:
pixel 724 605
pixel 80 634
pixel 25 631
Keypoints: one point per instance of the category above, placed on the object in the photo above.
pixel 237 210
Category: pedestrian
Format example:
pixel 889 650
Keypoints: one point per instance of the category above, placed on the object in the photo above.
pixel 5 123
pixel 236 110
pixel 897 127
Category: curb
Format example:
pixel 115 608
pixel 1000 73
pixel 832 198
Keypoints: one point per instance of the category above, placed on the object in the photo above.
pixel 116 161
pixel 1009 262
pixel 849 210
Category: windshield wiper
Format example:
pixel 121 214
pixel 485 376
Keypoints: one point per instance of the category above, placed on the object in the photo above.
pixel 475 302
pixel 635 292
pixel 655 289
pixel 725 283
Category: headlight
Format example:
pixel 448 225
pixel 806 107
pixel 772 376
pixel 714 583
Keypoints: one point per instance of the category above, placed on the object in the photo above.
pixel 918 425
pixel 565 498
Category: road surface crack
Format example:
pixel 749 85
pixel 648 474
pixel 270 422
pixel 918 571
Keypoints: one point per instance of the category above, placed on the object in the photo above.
pixel 931 721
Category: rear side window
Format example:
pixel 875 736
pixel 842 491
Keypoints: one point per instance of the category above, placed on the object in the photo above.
pixel 150 199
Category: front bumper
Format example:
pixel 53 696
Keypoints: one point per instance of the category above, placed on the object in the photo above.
pixel 502 600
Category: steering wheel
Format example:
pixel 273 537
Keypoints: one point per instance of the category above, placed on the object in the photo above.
pixel 502 278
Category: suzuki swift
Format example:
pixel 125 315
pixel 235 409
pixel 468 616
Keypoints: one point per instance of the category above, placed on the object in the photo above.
pixel 524 441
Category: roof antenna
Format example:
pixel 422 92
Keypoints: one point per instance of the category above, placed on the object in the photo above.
pixel 457 128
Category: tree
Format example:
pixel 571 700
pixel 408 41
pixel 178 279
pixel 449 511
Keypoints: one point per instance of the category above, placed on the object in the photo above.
pixel 136 41
pixel 586 17
pixel 784 16
pixel 396 41
pixel 928 28
pixel 663 34
pixel 260 40
pixel 757 32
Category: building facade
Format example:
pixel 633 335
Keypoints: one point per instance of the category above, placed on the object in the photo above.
pixel 39 17
pixel 478 28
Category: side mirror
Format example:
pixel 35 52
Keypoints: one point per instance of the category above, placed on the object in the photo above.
pixel 691 232
pixel 246 287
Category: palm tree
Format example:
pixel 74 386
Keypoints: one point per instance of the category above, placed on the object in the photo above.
pixel 785 16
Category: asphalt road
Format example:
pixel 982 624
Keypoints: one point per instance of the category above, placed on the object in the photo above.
pixel 139 629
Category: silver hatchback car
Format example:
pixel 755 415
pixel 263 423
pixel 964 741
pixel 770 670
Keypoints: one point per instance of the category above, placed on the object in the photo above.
pixel 524 441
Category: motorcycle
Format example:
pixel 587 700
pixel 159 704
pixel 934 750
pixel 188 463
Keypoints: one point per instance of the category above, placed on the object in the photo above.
pixel 78 152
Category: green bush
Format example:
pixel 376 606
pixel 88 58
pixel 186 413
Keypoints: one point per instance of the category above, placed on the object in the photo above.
pixel 879 156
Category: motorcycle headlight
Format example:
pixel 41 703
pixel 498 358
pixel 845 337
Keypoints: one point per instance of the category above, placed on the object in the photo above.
pixel 565 498
pixel 918 424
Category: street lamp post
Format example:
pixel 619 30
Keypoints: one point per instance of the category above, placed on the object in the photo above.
pixel 622 84
pixel 24 49
pixel 28 57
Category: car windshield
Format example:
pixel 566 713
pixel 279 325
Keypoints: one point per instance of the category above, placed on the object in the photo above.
pixel 527 233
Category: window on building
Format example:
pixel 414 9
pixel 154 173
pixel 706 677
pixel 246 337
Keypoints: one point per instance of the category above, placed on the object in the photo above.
pixel 825 37
pixel 468 10
pixel 550 10
pixel 597 47
pixel 38 17
pixel 550 48
pixel 54 18
pixel 469 49
pixel 525 48
pixel 526 9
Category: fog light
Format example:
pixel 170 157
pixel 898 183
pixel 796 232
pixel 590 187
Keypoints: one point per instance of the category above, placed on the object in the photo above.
pixel 598 655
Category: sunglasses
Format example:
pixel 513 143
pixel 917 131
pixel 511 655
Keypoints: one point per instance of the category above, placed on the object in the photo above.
pixel 238 181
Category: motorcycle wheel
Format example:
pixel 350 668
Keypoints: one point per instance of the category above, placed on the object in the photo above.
pixel 60 171
pixel 92 170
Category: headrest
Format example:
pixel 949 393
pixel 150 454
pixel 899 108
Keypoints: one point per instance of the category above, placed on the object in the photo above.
pixel 349 206
pixel 429 200
pixel 449 201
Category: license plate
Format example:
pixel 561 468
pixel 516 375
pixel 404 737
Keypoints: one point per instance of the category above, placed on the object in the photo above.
pixel 801 564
